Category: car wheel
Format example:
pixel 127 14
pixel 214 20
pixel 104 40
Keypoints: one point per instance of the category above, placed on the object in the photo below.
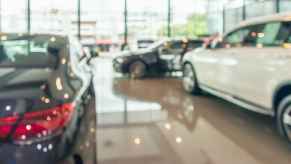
pixel 137 70
pixel 284 118
pixel 190 83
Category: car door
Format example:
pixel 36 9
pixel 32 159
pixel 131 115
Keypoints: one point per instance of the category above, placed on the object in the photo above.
pixel 258 64
pixel 224 61
pixel 215 66
pixel 206 62
pixel 171 55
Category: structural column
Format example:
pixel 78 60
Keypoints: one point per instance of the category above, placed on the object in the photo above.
pixel 169 30
pixel 28 12
pixel 125 41
pixel 223 19
pixel 79 20
pixel 278 6
pixel 244 10
pixel 1 16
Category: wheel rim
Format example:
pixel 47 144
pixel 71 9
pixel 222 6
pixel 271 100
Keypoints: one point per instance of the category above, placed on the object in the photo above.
pixel 287 122
pixel 137 70
pixel 188 78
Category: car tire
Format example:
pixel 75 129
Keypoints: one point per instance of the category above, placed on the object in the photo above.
pixel 283 118
pixel 190 82
pixel 137 70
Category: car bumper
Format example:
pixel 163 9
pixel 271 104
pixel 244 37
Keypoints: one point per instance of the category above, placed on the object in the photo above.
pixel 44 152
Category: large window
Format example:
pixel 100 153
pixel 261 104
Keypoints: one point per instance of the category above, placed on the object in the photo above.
pixel 53 16
pixel 260 8
pixel 13 15
pixel 232 18
pixel 285 5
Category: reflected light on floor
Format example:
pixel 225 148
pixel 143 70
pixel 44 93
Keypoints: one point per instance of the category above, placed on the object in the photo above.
pixel 168 126
pixel 179 140
pixel 137 141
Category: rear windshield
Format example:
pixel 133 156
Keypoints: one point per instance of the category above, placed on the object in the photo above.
pixel 30 51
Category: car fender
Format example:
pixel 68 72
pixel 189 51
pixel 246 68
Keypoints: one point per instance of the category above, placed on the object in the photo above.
pixel 277 89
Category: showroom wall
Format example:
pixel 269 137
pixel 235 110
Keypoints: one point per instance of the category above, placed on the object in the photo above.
pixel 253 8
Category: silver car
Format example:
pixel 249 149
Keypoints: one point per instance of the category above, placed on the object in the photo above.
pixel 249 66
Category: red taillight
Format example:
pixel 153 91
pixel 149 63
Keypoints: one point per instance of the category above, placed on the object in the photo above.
pixel 37 124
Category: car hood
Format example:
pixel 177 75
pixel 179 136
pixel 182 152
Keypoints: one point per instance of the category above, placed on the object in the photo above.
pixel 129 54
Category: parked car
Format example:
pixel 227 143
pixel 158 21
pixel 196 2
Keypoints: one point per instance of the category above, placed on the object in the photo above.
pixel 163 56
pixel 249 67
pixel 47 111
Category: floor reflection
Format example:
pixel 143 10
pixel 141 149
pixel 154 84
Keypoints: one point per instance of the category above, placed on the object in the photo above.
pixel 154 121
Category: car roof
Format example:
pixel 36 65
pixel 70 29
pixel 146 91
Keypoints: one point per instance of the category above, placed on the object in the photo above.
pixel 282 17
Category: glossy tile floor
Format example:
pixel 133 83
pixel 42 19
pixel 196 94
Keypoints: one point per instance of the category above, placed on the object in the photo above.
pixel 154 121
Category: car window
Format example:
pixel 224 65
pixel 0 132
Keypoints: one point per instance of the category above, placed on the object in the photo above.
pixel 29 51
pixel 237 38
pixel 175 45
pixel 255 31
pixel 195 44
pixel 270 35
pixel 285 32
pixel 245 37
pixel 172 48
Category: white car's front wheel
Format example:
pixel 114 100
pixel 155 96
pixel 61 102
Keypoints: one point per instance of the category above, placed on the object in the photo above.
pixel 190 82
pixel 284 118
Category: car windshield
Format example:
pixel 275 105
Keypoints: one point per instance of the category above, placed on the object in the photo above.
pixel 29 51
pixel 156 45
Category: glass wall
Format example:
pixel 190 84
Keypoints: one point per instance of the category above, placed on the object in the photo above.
pixel 285 5
pixel 255 8
pixel 103 21
pixel 189 18
pixel 215 17
pixel 109 18
pixel 232 18
pixel 146 19
pixel 52 16
pixel 13 17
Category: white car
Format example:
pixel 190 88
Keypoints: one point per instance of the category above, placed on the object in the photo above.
pixel 250 66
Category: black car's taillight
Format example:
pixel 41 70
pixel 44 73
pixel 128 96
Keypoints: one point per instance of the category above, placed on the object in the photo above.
pixel 37 124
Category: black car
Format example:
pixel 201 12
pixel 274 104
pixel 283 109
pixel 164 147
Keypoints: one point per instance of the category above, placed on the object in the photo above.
pixel 163 56
pixel 47 111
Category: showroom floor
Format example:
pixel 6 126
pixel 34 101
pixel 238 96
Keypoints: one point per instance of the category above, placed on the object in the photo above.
pixel 153 121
